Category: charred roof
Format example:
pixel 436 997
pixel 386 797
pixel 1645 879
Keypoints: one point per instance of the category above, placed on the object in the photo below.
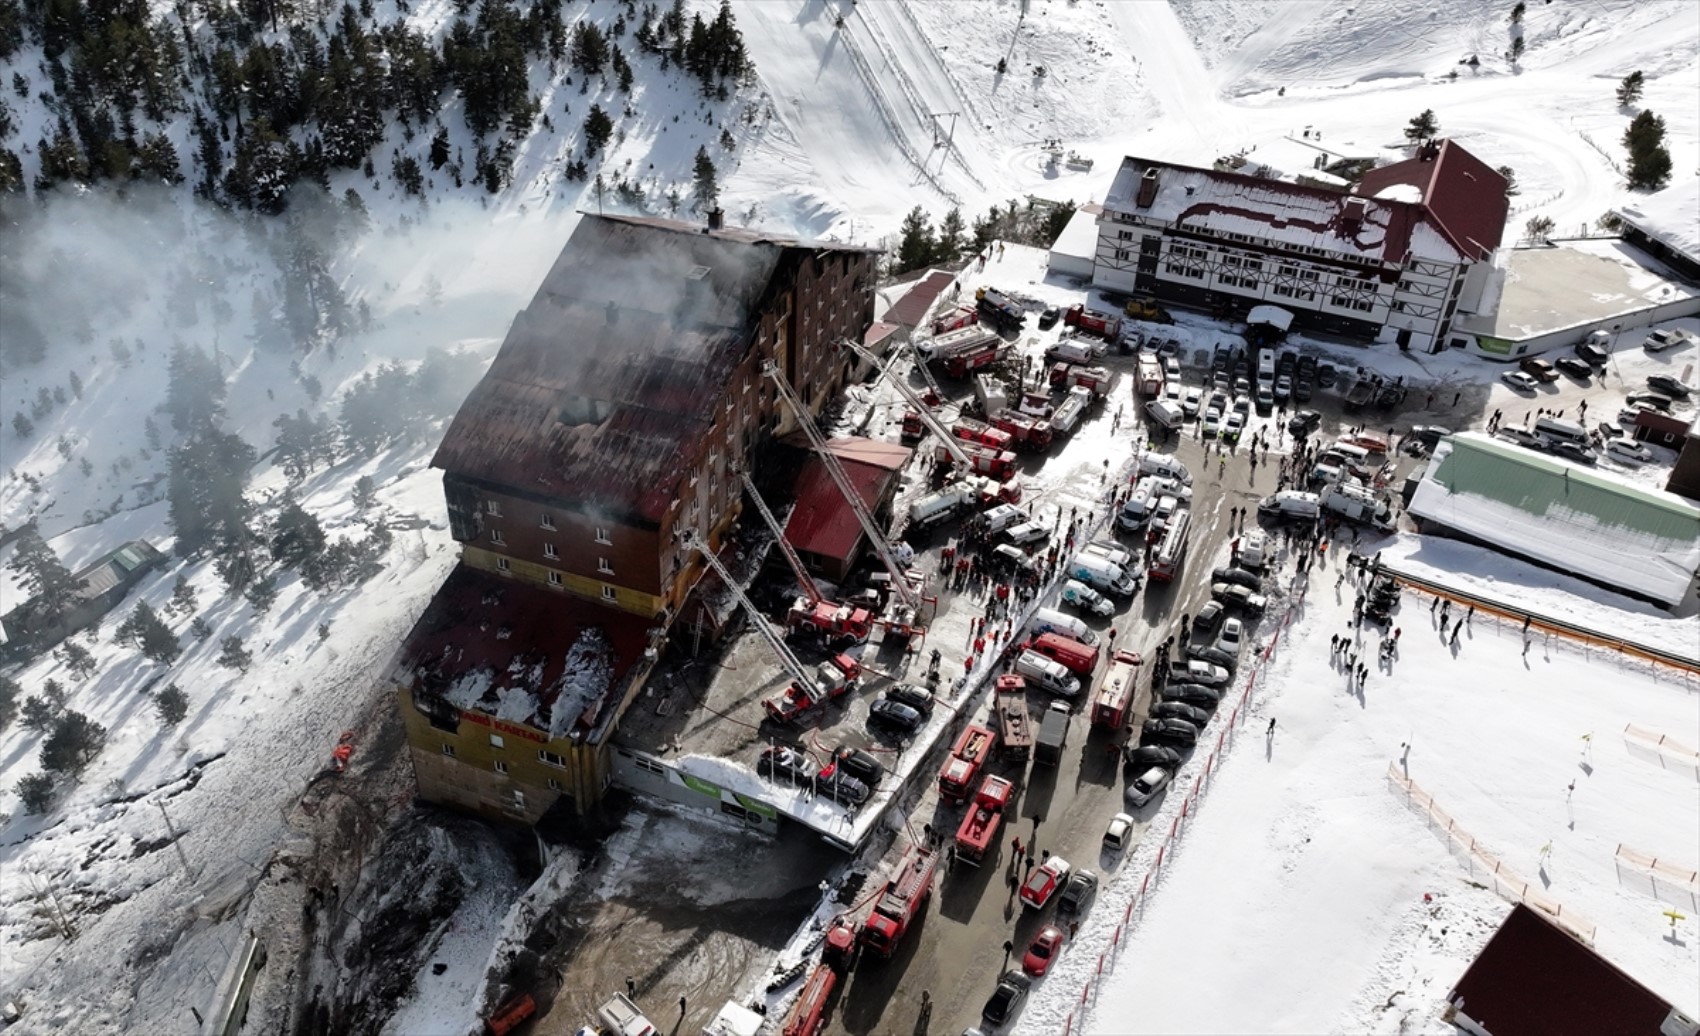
pixel 600 393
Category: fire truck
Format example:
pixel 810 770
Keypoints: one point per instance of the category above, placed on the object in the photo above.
pixel 1096 380
pixel 964 364
pixel 980 434
pixel 1028 433
pixel 1150 376
pixel 1092 321
pixel 971 752
pixel 833 679
pixel 1114 697
pixel 902 900
pixel 829 619
pixel 1171 551
pixel 956 343
pixel 1015 723
pixel 979 830
pixel 981 461
pixel 807 1016
pixel 960 317
pixel 1000 310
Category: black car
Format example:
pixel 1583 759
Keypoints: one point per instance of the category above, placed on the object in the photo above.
pixel 1077 893
pixel 1576 452
pixel 1233 595
pixel 1208 618
pixel 918 698
pixel 859 764
pixel 1577 369
pixel 1005 1002
pixel 1326 375
pixel 1177 731
pixel 1193 694
pixel 1669 386
pixel 1429 434
pixel 1048 319
pixel 1649 399
pixel 1180 710
pixel 784 763
pixel 1303 389
pixel 1214 655
pixel 894 715
pixel 1304 422
pixel 1520 437
pixel 841 787
pixel 1146 756
pixel 1239 577
pixel 1593 354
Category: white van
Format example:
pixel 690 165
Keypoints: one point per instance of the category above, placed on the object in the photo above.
pixel 1266 365
pixel 1001 517
pixel 1164 464
pixel 1290 503
pixel 1027 533
pixel 1137 507
pixel 1072 350
pixel 1557 429
pixel 1112 552
pixel 1049 620
pixel 1052 676
pixel 1165 414
pixel 1254 547
pixel 1102 574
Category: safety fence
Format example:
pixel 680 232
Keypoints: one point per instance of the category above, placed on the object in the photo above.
pixel 1236 716
pixel 1654 747
pixel 1665 881
pixel 1483 865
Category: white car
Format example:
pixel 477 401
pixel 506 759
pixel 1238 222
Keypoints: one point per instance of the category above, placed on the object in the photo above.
pixel 1664 338
pixel 1629 450
pixel 1194 671
pixel 1191 401
pixel 1080 595
pixel 1164 510
pixel 1212 421
pixel 1118 834
pixel 1519 381
pixel 1232 638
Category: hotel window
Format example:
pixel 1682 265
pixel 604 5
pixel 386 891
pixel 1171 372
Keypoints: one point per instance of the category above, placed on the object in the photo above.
pixel 499 766
pixel 496 536
pixel 602 535
pixel 493 508
pixel 551 758
pixel 449 750
pixel 554 579
pixel 501 564
pixel 554 785
pixel 497 742
pixel 608 593
pixel 602 565
pixel 549 551
pixel 546 521
pixel 519 799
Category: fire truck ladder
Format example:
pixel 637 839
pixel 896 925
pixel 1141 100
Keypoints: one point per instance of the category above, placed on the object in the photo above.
pixel 899 581
pixel 787 659
pixel 810 590
pixel 926 374
pixel 946 436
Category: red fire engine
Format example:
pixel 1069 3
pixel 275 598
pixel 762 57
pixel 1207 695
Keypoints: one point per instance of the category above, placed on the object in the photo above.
pixel 1106 325
pixel 969 430
pixel 972 750
pixel 900 903
pixel 1114 696
pixel 807 1016
pixel 979 830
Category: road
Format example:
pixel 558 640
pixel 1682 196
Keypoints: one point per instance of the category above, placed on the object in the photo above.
pixel 956 954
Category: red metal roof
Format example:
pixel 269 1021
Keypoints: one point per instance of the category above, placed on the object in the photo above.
pixel 1533 978
pixel 822 523
pixel 913 307
pixel 1464 196
pixel 498 635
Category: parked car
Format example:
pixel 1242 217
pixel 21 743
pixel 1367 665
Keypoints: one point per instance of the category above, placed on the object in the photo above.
pixel 1048 319
pixel 1629 450
pixel 918 698
pixel 1146 756
pixel 1233 595
pixel 1669 386
pixel 1238 576
pixel 1326 375
pixel 1190 402
pixel 1212 423
pixel 1181 710
pixel 1304 422
pixel 1574 367
pixel 1630 414
pixel 1193 694
pixel 1119 833
pixel 1283 388
pixel 1232 638
pixel 1652 400
pixel 1265 399
pixel 1006 1000
pixel 894 716
pixel 1429 434
pixel 1233 427
pixel 1194 671
pixel 1009 557
pixel 1208 617
pixel 1592 353
pixel 1303 388
pixel 1042 951
pixel 1662 339
pixel 1078 595
pixel 1519 381
pixel 782 762
pixel 1576 452
pixel 1177 731
pixel 1539 369
pixel 1147 786
pixel 859 764
pixel 1165 510
pixel 1037 890
pixel 841 787
pixel 1078 892
pixel 1214 655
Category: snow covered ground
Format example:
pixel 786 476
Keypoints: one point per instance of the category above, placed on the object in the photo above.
pixel 1299 879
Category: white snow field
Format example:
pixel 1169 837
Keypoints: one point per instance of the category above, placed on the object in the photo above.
pixel 1298 875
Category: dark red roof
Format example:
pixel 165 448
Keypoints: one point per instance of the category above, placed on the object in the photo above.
pixel 484 636
pixel 1533 978
pixel 822 523
pixel 913 307
pixel 1464 195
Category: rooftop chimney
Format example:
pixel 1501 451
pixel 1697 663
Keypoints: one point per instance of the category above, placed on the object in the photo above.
pixel 1147 188
pixel 1352 217
pixel 716 218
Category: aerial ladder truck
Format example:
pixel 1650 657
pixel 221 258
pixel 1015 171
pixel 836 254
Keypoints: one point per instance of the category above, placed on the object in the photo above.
pixel 831 679
pixel 810 611
pixel 904 619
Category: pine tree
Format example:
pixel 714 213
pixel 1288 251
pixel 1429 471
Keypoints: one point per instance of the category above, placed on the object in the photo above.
pixel 1510 175
pixel 41 711
pixel 947 248
pixel 1649 159
pixel 703 183
pixel 144 629
pixel 50 585
pixel 183 596
pixel 1423 127
pixel 36 793
pixel 1517 13
pixel 232 654
pixel 11 696
pixel 76 385
pixel 22 425
pixel 79 660
pixel 195 395
pixel 598 130
pixel 1517 47
pixel 75 743
pixel 440 148
pixel 1629 91
pixel 171 704
pixel 915 247
pixel 261 594
pixel 365 494
pixel 297 537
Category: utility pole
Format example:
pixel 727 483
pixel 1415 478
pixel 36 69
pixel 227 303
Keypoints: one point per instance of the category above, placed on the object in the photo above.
pixel 950 135
pixel 176 842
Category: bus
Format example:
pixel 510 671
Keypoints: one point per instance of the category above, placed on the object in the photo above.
pixel 1172 550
